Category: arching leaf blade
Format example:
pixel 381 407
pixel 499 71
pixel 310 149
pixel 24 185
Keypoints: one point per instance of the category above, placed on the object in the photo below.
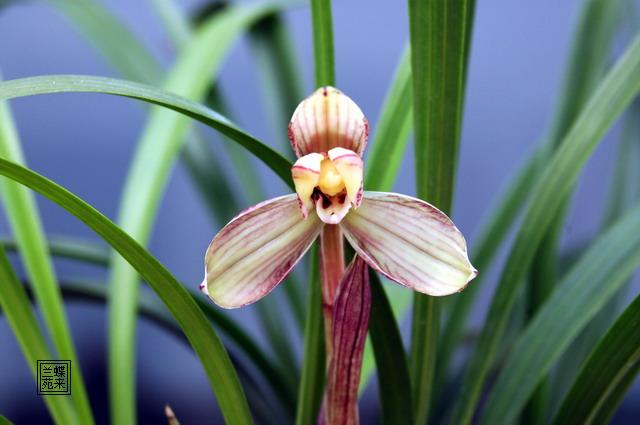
pixel 607 374
pixel 50 84
pixel 155 155
pixel 192 321
pixel 609 100
pixel 26 225
pixel 17 308
pixel 592 281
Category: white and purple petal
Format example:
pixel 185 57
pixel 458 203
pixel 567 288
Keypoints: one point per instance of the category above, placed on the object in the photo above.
pixel 325 120
pixel 257 250
pixel 410 242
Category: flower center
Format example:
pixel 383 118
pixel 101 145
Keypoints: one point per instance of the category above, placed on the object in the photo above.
pixel 331 182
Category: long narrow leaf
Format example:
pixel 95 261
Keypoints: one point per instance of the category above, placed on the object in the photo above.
pixel 128 55
pixel 313 368
pixel 612 96
pixel 23 216
pixel 72 249
pixel 114 40
pixel 155 311
pixel 198 156
pixel 584 68
pixel 156 152
pixel 493 232
pixel 88 84
pixel 383 162
pixel 175 22
pixel 594 280
pixel 148 175
pixel 392 132
pixel 215 186
pixel 391 360
pixel 322 24
pixel 279 73
pixel 606 376
pixel 439 48
pixel 587 65
pixel 193 322
pixel 23 322
pixel 624 192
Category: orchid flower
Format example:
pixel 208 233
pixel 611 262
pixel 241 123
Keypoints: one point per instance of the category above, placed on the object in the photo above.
pixel 406 239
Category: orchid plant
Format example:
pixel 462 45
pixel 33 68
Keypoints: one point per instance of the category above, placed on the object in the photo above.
pixel 406 239
pixel 560 342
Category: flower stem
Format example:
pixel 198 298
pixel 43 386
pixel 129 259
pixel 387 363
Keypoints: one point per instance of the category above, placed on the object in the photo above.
pixel 331 271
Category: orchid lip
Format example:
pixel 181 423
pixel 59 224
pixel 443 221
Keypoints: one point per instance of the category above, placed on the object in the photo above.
pixel 331 182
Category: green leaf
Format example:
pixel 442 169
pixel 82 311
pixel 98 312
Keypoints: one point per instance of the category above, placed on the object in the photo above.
pixel 25 222
pixel 189 316
pixel 209 178
pixel 588 62
pixel 392 132
pixel 175 22
pixel 73 249
pixel 149 307
pixel 156 152
pixel 88 84
pixel 440 34
pixel 492 233
pixel 585 67
pixel 23 322
pixel 611 97
pixel 592 281
pixel 384 159
pixel 322 24
pixel 124 51
pixel 313 367
pixel 198 155
pixel 608 373
pixel 5 421
pixel 279 74
pixel 624 192
pixel 391 360
pixel 215 186
pixel 115 41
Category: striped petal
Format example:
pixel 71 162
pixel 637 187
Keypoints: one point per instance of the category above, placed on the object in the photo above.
pixel 410 242
pixel 325 120
pixel 256 251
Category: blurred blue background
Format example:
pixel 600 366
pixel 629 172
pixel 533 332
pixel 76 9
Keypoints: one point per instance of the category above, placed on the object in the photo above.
pixel 85 142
